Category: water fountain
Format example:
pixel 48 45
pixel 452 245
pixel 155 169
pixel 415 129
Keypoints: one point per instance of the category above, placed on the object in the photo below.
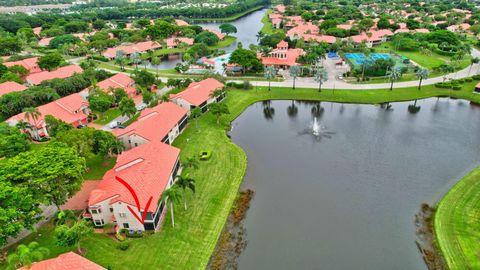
pixel 315 127
pixel 317 130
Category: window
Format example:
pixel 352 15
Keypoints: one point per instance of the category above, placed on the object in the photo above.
pixel 111 210
pixel 122 215
pixel 136 144
pixel 98 222
pixel 126 226
pixel 96 211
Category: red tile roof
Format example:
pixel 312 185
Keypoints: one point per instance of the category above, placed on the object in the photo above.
pixel 303 28
pixel 30 63
pixel 375 35
pixel 319 38
pixel 8 87
pixel 37 30
pixel 174 41
pixel 181 22
pixel 67 109
pixel 146 168
pixel 155 123
pixel 45 41
pixel 218 34
pixel 280 8
pixel 60 73
pixel 69 260
pixel 129 49
pixel 118 80
pixel 199 92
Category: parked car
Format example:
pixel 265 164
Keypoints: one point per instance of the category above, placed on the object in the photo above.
pixel 114 124
pixel 141 106
pixel 81 126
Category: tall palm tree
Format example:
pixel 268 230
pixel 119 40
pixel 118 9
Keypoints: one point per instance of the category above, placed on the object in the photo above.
pixel 170 196
pixel 191 162
pixel 422 74
pixel 473 60
pixel 23 125
pixel 320 75
pixel 25 255
pixel 394 74
pixel 135 58
pixel 156 62
pixel 185 182
pixel 270 73
pixel 32 113
pixel 195 114
pixel 294 72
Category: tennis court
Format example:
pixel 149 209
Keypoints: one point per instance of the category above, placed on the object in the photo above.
pixel 378 56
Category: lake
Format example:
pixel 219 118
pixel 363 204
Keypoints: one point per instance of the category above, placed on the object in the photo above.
pixel 347 199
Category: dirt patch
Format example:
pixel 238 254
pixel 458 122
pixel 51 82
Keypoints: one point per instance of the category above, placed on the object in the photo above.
pixel 426 242
pixel 233 240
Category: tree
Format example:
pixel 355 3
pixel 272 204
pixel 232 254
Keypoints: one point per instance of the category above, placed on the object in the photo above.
pixel 56 126
pixel 195 114
pixel 218 109
pixel 105 143
pixel 227 28
pixel 473 60
pixel 19 70
pixel 156 62
pixel 25 255
pixel 9 45
pixel 147 97
pixel 53 173
pixel 422 73
pixel 269 74
pixel 127 107
pixel 32 114
pixel 171 195
pixel 247 59
pixel 320 75
pixel 394 74
pixel 98 24
pixel 18 209
pixel 135 59
pixel 144 78
pixel 23 125
pixel 50 61
pixel 185 182
pixel 12 141
pixel 71 236
pixel 191 162
pixel 294 73
pixel 11 77
pixel 207 38
pixel 120 59
pixel 100 101
pixel 59 41
pixel 118 94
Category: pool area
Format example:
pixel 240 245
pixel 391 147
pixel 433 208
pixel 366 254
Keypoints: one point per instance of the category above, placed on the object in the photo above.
pixel 220 61
pixel 356 60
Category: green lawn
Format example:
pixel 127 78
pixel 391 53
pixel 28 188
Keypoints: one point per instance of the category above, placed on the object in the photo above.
pixel 97 166
pixel 108 116
pixel 226 19
pixel 427 61
pixel 457 223
pixel 267 25
pixel 190 244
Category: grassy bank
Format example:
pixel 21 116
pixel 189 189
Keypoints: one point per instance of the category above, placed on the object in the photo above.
pixel 268 28
pixel 226 19
pixel 190 244
pixel 457 226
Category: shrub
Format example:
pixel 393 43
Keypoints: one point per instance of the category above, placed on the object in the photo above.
pixel 457 87
pixel 99 58
pixel 468 80
pixel 476 77
pixel 119 237
pixel 123 246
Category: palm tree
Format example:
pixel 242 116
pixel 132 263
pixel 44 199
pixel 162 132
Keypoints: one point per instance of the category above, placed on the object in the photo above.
pixel 195 114
pixel 270 73
pixel 473 60
pixel 394 74
pixel 422 74
pixel 25 255
pixel 156 62
pixel 127 107
pixel 32 113
pixel 191 162
pixel 163 98
pixel 294 72
pixel 120 59
pixel 320 75
pixel 135 58
pixel 23 125
pixel 171 195
pixel 216 93
pixel 185 182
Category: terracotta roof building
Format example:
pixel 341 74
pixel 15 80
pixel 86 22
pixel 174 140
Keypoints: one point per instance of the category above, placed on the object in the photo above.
pixel 282 56
pixel 148 169
pixel 162 123
pixel 373 37
pixel 140 47
pixel 217 33
pixel 8 87
pixel 31 64
pixel 60 73
pixel 69 260
pixel 181 22
pixel 174 41
pixel 72 109
pixel 198 94
pixel 119 80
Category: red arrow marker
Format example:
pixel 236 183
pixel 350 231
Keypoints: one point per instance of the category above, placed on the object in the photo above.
pixel 137 202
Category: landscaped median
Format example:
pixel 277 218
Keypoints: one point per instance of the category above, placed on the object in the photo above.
pixel 192 241
pixel 457 224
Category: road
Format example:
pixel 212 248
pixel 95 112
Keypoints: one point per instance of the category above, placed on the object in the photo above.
pixel 334 83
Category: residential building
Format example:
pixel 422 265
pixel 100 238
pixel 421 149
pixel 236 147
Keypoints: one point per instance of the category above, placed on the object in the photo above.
pixel 149 169
pixel 31 64
pixel 373 37
pixel 181 22
pixel 174 41
pixel 72 109
pixel 119 80
pixel 44 42
pixel 162 123
pixel 217 33
pixel 282 56
pixel 69 260
pixel 199 94
pixel 140 47
pixel 8 87
pixel 60 73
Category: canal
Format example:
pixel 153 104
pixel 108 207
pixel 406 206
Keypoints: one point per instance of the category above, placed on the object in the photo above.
pixel 343 193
